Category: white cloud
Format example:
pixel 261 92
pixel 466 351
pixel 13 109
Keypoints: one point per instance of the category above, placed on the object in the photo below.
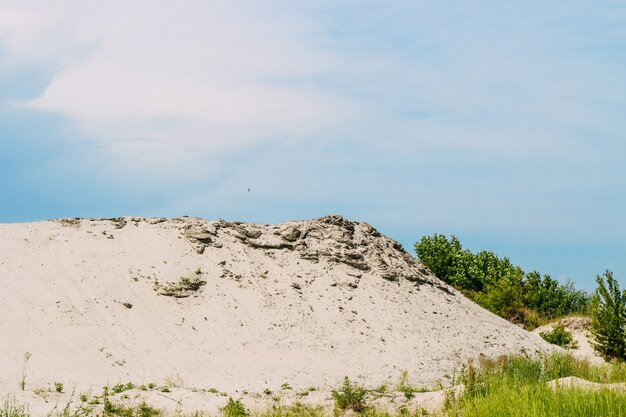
pixel 221 76
pixel 215 69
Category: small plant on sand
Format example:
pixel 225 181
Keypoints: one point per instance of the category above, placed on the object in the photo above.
pixel 234 408
pixel 305 392
pixel 144 410
pixel 118 388
pixel 403 387
pixel 381 391
pixel 114 409
pixel 285 387
pixel 296 409
pixel 350 397
pixel 58 387
pixel 560 336
pixel 27 356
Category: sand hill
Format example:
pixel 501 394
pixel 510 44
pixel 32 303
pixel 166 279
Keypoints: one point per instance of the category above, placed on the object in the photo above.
pixel 238 306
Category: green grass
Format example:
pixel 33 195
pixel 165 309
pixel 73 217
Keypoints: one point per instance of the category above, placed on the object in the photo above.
pixel 10 408
pixel 517 387
pixel 538 400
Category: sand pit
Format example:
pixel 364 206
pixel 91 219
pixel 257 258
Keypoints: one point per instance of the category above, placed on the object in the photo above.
pixel 196 304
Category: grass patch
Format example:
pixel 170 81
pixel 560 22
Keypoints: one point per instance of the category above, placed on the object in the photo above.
pixel 517 387
pixel 10 408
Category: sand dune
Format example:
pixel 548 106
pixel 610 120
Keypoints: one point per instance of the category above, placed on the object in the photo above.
pixel 237 306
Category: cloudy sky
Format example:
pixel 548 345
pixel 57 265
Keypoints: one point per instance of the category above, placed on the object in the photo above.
pixel 501 122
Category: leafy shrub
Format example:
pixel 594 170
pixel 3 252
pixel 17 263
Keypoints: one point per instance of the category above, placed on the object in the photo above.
pixel 608 318
pixel 559 336
pixel 234 408
pixel 58 386
pixel 350 397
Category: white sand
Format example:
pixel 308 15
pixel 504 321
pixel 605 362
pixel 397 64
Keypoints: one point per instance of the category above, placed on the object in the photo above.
pixel 303 303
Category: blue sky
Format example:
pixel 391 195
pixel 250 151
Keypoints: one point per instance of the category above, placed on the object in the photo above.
pixel 500 122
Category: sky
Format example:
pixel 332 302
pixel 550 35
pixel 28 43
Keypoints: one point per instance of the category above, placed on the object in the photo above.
pixel 501 122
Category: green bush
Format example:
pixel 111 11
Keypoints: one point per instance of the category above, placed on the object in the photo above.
pixel 559 336
pixel 350 397
pixel 608 318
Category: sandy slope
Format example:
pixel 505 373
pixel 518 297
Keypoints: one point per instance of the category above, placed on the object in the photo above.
pixel 305 302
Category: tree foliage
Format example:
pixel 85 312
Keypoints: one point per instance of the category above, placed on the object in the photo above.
pixel 608 318
pixel 498 285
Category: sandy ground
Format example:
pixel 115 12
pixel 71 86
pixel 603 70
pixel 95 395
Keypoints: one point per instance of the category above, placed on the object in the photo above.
pixel 195 304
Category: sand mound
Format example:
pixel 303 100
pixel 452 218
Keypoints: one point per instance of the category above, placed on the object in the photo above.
pixel 579 328
pixel 575 382
pixel 237 306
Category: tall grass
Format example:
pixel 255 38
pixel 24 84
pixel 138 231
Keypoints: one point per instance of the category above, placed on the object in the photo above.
pixel 539 400
pixel 517 387
pixel 10 408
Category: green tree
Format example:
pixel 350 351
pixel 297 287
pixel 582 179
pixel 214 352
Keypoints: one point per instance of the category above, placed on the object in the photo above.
pixel 504 296
pixel 440 255
pixel 498 285
pixel 608 318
